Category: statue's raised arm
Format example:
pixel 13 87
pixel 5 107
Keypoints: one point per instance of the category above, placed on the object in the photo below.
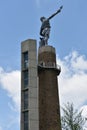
pixel 58 11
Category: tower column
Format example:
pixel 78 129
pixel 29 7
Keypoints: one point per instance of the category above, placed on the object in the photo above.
pixel 49 109
pixel 29 86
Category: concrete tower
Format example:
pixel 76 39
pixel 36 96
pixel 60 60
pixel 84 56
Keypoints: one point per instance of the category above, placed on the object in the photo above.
pixel 49 108
pixel 29 87
pixel 40 109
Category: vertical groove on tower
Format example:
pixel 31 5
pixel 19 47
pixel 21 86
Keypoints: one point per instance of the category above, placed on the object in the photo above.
pixel 49 109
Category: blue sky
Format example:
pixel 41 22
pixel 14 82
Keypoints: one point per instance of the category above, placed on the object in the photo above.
pixel 20 20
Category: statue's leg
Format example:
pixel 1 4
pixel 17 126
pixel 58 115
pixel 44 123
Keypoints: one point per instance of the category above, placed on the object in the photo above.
pixel 46 40
pixel 42 41
pixel 47 32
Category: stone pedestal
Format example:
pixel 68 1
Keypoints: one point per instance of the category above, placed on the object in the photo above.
pixel 49 108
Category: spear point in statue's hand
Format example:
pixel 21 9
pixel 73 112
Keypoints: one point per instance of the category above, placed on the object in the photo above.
pixel 59 10
pixel 61 7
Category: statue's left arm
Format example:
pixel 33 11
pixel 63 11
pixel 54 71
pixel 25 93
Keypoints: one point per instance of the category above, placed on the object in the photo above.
pixel 58 11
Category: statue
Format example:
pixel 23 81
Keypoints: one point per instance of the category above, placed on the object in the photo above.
pixel 45 28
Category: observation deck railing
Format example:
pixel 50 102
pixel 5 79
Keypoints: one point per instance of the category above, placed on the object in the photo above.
pixel 49 65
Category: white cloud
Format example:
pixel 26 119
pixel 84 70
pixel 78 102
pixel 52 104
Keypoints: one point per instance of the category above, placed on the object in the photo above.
pixel 84 111
pixel 10 81
pixel 77 62
pixel 73 79
pixel 84 114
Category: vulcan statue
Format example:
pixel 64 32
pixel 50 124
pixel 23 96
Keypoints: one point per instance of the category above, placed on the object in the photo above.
pixel 45 28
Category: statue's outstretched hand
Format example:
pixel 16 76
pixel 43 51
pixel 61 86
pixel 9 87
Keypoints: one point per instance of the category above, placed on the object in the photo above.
pixel 61 7
pixel 59 10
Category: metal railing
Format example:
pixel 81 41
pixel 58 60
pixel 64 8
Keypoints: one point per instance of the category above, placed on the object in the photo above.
pixel 49 65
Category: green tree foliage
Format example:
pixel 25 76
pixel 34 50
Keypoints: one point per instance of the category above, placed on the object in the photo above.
pixel 72 118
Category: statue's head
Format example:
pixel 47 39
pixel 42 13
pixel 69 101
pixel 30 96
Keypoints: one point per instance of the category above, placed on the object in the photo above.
pixel 42 19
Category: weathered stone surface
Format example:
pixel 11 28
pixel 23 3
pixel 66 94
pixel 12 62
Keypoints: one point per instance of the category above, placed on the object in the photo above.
pixel 49 108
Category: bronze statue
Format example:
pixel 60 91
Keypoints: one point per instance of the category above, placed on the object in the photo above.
pixel 45 28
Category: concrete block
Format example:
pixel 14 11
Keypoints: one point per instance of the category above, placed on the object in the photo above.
pixel 32 55
pixel 33 92
pixel 33 72
pixel 34 125
pixel 29 44
pixel 33 115
pixel 33 81
pixel 32 63
pixel 46 49
pixel 33 103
